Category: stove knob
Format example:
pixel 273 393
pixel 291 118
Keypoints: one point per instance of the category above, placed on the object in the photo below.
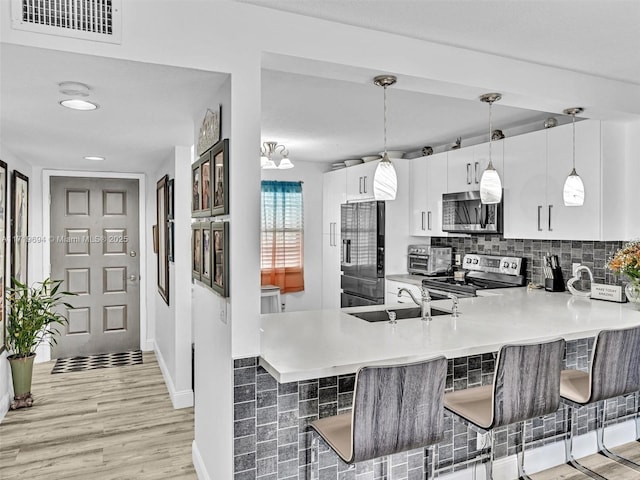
pixel 475 261
pixel 514 265
pixel 468 260
pixel 505 264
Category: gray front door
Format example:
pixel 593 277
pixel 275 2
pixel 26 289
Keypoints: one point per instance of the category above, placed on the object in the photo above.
pixel 94 249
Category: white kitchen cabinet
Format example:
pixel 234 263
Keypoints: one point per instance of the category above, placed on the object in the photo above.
pixel 428 181
pixel 333 195
pixel 536 166
pixel 461 170
pixel 360 181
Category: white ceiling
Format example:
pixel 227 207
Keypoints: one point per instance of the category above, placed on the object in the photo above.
pixel 146 108
pixel 598 37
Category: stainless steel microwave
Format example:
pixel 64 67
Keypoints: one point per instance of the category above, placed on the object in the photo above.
pixel 463 212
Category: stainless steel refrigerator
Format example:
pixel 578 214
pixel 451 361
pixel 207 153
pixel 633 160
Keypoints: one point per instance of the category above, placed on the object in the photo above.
pixel 362 256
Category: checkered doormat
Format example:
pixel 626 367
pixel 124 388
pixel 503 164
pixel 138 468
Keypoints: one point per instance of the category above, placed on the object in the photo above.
pixel 101 360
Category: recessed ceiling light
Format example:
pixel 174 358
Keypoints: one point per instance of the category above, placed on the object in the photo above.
pixel 94 158
pixel 77 104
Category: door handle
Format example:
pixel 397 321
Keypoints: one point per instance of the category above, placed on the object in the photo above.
pixel 133 277
pixel 360 185
pixel 422 215
pixel 429 220
pixel 550 207
pixel 132 253
pixel 476 171
pixel 365 183
pixel 468 174
pixel 539 214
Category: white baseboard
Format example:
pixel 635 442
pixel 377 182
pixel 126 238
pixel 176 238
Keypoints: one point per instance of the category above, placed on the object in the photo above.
pixel 549 456
pixel 5 402
pixel 198 463
pixel 147 346
pixel 180 399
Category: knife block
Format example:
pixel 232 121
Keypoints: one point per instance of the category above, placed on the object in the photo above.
pixel 556 282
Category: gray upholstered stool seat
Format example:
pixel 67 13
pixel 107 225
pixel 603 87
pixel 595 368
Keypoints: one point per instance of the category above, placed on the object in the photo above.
pixel 336 431
pixel 526 385
pixel 395 408
pixel 474 404
pixel 614 372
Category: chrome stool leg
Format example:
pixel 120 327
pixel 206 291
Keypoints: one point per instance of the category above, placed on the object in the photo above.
pixel 637 395
pixel 522 475
pixel 568 448
pixel 488 466
pixel 601 408
pixel 430 453
pixel 315 456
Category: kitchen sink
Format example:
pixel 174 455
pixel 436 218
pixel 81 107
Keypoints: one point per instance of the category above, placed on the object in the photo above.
pixel 382 315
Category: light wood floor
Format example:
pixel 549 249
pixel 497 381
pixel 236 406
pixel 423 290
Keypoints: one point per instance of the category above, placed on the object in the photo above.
pixel 600 464
pixel 111 423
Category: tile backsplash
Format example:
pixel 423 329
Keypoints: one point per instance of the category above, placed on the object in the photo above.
pixel 589 253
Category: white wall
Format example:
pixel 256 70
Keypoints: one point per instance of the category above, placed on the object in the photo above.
pixel 14 163
pixel 311 174
pixel 172 323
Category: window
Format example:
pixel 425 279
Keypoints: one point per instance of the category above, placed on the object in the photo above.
pixel 282 234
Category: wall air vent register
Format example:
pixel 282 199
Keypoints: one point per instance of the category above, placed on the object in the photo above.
pixel 97 20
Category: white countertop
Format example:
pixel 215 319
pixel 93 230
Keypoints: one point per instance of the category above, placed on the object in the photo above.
pixel 313 344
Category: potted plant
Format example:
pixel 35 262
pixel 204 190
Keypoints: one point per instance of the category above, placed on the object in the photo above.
pixel 31 320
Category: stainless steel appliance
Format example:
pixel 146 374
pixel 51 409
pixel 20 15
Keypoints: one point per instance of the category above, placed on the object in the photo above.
pixel 362 256
pixel 482 272
pixel 428 260
pixel 464 213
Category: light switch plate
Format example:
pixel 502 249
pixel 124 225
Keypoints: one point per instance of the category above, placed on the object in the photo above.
pixel 612 293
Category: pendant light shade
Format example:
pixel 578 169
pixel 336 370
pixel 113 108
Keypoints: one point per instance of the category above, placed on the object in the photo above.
pixel 385 180
pixel 573 191
pixel 490 183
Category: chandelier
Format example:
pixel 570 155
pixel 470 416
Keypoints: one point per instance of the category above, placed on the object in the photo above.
pixel 269 150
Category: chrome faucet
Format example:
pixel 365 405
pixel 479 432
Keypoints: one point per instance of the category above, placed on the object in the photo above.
pixel 424 303
pixel 454 307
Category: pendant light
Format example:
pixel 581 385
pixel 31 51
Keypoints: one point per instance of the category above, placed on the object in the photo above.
pixel 573 192
pixel 490 183
pixel 385 180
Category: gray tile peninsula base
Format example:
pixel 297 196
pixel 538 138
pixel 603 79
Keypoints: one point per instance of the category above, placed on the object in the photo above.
pixel 272 439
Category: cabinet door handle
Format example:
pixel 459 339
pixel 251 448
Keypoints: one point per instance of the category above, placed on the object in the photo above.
pixel 365 183
pixel 468 174
pixel 422 219
pixel 550 207
pixel 335 234
pixel 429 220
pixel 359 184
pixel 331 234
pixel 539 215
pixel 476 168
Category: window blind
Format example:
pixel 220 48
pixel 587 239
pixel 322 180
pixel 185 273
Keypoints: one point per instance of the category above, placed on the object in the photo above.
pixel 282 236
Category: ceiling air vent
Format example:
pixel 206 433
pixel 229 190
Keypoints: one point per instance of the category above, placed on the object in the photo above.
pixel 97 20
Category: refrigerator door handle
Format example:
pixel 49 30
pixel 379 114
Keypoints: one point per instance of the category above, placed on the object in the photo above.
pixel 346 250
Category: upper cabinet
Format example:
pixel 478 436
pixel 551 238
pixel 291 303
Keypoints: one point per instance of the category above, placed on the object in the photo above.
pixel 465 165
pixel 428 181
pixel 535 168
pixel 360 181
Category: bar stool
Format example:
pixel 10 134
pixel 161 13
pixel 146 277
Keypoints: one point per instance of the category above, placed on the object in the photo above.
pixel 526 385
pixel 395 408
pixel 614 372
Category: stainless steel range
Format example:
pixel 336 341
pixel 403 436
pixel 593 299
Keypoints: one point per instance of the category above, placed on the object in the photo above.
pixel 481 272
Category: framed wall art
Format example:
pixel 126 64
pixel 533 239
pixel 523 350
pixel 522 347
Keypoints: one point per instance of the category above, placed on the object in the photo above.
pixel 209 130
pixel 171 239
pixel 220 267
pixel 220 167
pixel 3 252
pixel 171 201
pixel 196 250
pixel 19 227
pixel 162 203
pixel 201 186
